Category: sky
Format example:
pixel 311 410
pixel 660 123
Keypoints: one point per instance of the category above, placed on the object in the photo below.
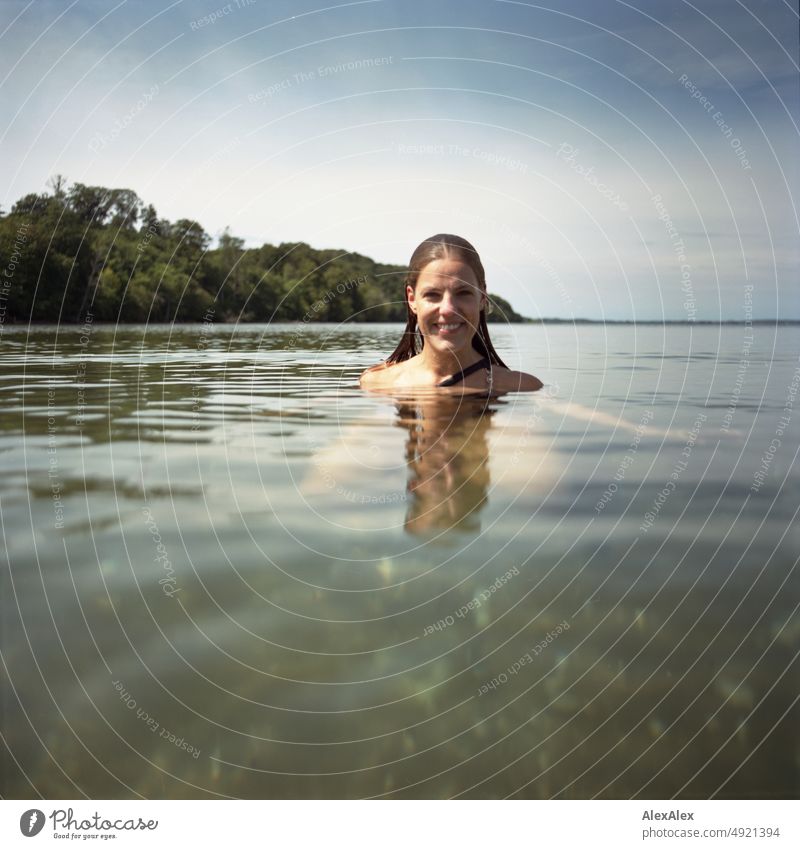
pixel 608 159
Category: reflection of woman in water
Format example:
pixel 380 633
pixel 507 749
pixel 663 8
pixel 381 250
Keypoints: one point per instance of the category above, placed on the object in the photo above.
pixel 448 461
pixel 446 339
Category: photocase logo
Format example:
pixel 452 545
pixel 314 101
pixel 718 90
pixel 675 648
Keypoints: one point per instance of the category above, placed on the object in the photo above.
pixel 31 822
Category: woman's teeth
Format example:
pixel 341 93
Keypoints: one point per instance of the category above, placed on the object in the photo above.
pixel 448 327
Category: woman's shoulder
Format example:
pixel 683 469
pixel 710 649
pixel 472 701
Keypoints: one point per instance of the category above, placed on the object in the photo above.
pixel 507 380
pixel 386 374
pixel 382 374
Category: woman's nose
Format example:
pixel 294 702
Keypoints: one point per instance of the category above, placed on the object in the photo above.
pixel 447 305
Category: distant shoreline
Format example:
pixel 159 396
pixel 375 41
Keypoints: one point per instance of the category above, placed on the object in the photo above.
pixel 759 322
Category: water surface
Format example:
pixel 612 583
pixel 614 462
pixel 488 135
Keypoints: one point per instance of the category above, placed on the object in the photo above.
pixel 232 573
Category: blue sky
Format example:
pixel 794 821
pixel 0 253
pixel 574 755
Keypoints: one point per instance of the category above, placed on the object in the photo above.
pixel 608 159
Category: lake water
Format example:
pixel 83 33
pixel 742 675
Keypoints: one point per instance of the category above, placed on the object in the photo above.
pixel 232 573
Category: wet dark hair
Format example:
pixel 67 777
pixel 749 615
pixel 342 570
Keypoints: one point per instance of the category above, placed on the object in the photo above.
pixel 443 246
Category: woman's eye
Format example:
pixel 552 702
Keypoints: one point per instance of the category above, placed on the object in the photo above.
pixel 435 297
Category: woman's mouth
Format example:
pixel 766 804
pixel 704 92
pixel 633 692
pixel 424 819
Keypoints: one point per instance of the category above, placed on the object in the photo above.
pixel 449 328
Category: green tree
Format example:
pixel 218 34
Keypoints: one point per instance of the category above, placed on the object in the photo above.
pixel 84 248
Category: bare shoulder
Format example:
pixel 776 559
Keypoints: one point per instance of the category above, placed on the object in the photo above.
pixel 507 380
pixel 383 374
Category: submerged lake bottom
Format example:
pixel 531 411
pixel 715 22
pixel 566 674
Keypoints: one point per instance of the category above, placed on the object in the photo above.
pixel 231 573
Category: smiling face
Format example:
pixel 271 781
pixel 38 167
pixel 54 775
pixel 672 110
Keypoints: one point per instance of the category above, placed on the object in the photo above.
pixel 447 301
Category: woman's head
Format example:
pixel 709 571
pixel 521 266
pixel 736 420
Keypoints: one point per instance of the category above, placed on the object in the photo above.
pixel 445 246
pixel 446 299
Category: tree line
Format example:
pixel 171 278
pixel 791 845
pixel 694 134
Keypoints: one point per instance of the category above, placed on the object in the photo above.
pixel 87 250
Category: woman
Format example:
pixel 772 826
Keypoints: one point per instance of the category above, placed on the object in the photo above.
pixel 446 339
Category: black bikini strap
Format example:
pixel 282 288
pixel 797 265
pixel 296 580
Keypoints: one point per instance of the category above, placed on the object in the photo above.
pixel 457 378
